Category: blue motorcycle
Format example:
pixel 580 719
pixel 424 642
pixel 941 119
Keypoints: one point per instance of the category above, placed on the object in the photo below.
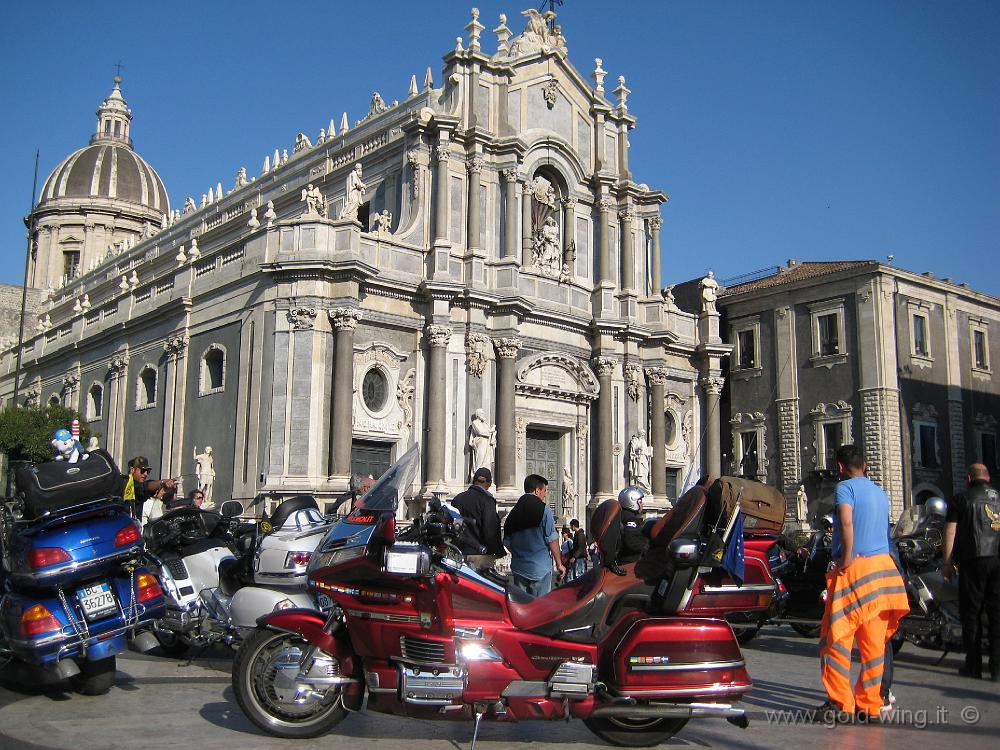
pixel 72 590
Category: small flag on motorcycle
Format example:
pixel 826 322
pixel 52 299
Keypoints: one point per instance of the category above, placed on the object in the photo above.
pixel 733 560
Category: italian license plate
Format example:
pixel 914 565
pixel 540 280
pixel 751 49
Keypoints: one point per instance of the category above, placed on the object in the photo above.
pixel 325 603
pixel 96 601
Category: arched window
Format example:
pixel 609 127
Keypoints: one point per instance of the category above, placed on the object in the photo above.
pixel 213 370
pixel 95 402
pixel 54 400
pixel 145 390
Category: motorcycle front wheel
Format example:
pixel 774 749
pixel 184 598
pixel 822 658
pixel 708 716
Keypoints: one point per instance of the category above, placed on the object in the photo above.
pixel 625 732
pixel 263 661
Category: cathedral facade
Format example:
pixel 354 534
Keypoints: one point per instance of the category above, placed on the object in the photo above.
pixel 474 269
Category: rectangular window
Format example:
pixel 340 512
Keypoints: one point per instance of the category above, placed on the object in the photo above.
pixel 920 336
pixel 928 446
pixel 980 351
pixel 747 360
pixel 833 438
pixel 673 476
pixel 71 263
pixel 748 454
pixel 829 334
pixel 988 448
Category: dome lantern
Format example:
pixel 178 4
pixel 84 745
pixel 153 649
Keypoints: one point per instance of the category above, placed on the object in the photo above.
pixel 113 118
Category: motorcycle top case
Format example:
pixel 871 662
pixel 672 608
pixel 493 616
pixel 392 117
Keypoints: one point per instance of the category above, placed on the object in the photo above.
pixel 56 485
pixel 763 506
pixel 89 538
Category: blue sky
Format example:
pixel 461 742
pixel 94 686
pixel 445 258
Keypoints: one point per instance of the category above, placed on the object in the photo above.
pixel 798 129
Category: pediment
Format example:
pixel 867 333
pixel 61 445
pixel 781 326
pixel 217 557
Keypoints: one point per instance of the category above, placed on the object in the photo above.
pixel 557 375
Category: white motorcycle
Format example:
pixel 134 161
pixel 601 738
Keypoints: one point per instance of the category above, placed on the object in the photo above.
pixel 220 574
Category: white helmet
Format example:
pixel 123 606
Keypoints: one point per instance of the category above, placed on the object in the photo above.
pixel 631 498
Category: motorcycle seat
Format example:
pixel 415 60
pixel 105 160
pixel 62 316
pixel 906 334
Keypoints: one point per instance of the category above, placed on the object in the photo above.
pixel 230 578
pixel 580 610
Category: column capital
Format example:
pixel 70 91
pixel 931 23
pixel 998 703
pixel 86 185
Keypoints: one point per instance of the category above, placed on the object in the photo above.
pixel 344 318
pixel 509 175
pixel 118 365
pixel 438 335
pixel 627 214
pixel 302 318
pixel 712 384
pixel 657 375
pixel 475 164
pixel 605 366
pixel 175 346
pixel 607 203
pixel 568 202
pixel 507 347
pixel 71 380
pixel 655 222
pixel 442 153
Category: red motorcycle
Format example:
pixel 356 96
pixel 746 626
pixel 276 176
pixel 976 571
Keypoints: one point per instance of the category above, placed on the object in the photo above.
pixel 416 632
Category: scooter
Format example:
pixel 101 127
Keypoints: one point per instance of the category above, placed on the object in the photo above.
pixel 417 632
pixel 74 593
pixel 221 574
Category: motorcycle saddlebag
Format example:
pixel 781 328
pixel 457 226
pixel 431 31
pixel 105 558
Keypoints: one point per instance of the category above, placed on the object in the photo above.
pixel 763 506
pixel 55 485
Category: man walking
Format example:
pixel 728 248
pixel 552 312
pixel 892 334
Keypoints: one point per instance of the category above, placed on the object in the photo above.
pixel 578 554
pixel 530 535
pixel 865 594
pixel 972 539
pixel 479 509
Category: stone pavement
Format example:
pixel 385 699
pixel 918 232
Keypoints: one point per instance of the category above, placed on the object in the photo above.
pixel 163 703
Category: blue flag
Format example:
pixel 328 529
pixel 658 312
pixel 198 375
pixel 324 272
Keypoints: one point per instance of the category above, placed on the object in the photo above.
pixel 732 561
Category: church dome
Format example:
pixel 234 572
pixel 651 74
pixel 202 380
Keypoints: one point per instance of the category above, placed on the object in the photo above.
pixel 108 168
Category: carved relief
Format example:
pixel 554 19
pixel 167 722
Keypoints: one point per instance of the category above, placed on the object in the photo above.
pixel 632 374
pixel 550 92
pixel 404 396
pixel 475 350
pixel 302 318
pixel 558 376
pixel 175 346
pixel 344 318
pixel 377 355
pixel 520 427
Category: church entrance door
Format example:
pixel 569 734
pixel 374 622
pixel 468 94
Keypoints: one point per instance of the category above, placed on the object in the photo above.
pixel 544 457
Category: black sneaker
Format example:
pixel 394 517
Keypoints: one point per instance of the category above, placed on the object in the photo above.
pixel 828 713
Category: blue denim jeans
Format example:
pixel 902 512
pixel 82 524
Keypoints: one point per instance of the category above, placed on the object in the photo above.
pixel 535 588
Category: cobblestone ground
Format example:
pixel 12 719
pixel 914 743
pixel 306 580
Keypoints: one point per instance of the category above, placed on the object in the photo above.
pixel 163 703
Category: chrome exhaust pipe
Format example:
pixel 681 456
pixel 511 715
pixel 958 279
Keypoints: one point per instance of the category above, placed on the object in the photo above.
pixel 144 641
pixel 674 711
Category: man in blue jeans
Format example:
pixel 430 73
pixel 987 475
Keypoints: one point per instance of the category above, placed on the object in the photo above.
pixel 530 535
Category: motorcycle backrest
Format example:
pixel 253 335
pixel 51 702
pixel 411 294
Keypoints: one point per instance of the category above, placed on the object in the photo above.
pixel 231 509
pixel 290 506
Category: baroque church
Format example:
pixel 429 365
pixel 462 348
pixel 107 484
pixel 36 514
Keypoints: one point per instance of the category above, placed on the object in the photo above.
pixel 474 269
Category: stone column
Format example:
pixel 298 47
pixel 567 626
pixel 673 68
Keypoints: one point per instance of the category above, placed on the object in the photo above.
pixel 115 439
pixel 627 216
pixel 506 435
pixel 527 257
pixel 713 435
pixel 443 154
pixel 604 428
pixel 606 205
pixel 173 406
pixel 569 233
pixel 510 213
pixel 475 167
pixel 658 429
pixel 654 228
pixel 344 321
pixel 438 337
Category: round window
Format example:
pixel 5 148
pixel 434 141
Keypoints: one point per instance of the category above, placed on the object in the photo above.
pixel 374 389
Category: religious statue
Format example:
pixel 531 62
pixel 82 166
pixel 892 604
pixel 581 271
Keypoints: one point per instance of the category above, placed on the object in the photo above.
pixel 568 494
pixel 482 441
pixel 668 298
pixel 205 471
pixel 383 223
pixel 355 190
pixel 802 504
pixel 540 34
pixel 315 202
pixel 709 293
pixel 189 205
pixel 241 178
pixel 377 105
pixel 639 453
pixel 546 250
pixel 302 143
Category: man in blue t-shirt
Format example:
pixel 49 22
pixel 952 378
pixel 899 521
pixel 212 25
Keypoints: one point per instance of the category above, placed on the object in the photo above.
pixel 530 535
pixel 861 515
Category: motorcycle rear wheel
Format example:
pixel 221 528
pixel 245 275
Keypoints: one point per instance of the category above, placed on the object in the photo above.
pixel 254 670
pixel 96 677
pixel 806 631
pixel 171 644
pixel 625 732
pixel 746 633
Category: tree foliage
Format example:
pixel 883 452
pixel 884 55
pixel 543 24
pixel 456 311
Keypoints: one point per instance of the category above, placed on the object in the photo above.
pixel 26 432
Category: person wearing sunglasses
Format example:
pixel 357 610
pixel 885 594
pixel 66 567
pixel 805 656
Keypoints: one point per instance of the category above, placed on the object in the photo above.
pixel 137 487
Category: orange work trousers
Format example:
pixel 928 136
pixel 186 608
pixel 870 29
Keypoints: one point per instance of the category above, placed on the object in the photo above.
pixel 864 604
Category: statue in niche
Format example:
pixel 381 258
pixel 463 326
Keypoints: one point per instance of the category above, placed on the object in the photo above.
pixel 482 441
pixel 315 202
pixel 355 191
pixel 709 293
pixel 205 471
pixel 568 494
pixel 546 245
pixel 639 453
pixel 382 223
pixel 802 504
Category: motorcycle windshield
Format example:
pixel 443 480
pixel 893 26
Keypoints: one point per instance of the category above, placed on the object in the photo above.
pixel 386 493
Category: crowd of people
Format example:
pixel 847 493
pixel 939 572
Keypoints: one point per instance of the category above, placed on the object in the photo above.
pixel 151 498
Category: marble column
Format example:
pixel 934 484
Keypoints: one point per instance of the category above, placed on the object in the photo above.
pixel 438 337
pixel 606 205
pixel 115 439
pixel 475 167
pixel 657 377
pixel 569 234
pixel 712 387
pixel 627 216
pixel 527 256
pixel 506 349
pixel 604 429
pixel 443 154
pixel 173 406
pixel 510 213
pixel 654 228
pixel 344 320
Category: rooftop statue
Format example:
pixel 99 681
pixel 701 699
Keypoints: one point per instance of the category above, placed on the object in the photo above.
pixel 540 34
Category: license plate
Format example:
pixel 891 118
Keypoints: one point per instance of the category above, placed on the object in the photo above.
pixel 325 603
pixel 96 601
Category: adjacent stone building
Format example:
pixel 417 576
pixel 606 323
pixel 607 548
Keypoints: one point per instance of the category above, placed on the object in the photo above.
pixel 474 268
pixel 860 351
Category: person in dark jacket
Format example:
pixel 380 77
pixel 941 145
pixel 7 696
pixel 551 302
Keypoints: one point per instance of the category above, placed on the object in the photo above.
pixel 137 487
pixel 578 554
pixel 634 542
pixel 479 509
pixel 972 539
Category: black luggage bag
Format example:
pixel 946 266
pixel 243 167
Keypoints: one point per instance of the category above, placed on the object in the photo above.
pixel 54 485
